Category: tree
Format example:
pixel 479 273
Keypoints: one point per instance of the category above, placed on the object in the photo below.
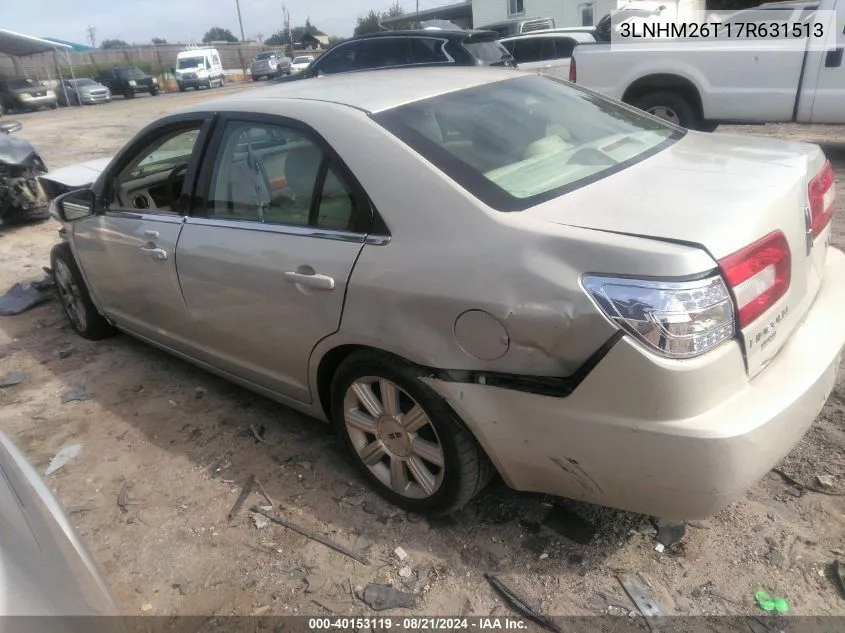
pixel 159 40
pixel 368 24
pixel 218 34
pixel 113 44
pixel 280 38
pixel 394 11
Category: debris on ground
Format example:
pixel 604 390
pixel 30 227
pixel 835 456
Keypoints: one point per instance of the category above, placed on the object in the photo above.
pixel 794 482
pixel 400 554
pixel 826 480
pixel 768 602
pixel 332 606
pixel 670 533
pixel 199 393
pixel 381 597
pixel 75 394
pixel 121 497
pixel 518 603
pixel 65 353
pixel 260 521
pixel 569 525
pixel 640 594
pixel 13 378
pixel 313 536
pixel 62 458
pixel 248 484
pixel 839 576
pixel 258 434
pixel 265 495
pixel 219 468
pixel 405 572
pixel 25 295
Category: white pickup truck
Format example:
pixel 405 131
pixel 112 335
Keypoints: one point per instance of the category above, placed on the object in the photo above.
pixel 700 83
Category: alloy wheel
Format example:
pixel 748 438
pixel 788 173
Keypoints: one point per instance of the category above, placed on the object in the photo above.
pixel 70 296
pixel 394 437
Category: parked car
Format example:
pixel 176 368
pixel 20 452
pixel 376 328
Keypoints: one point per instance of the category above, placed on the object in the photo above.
pixel 82 92
pixel 545 51
pixel 21 94
pixel 198 68
pixel 270 64
pixel 300 63
pixel 389 49
pixel 22 198
pixel 519 25
pixel 589 340
pixel 128 81
pixel 47 569
pixel 700 84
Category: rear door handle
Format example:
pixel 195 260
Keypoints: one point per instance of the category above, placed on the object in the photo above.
pixel 154 252
pixel 319 282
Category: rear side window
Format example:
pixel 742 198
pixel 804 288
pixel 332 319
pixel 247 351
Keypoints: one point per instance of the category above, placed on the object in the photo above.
pixel 564 47
pixel 381 52
pixel 488 52
pixel 426 50
pixel 534 49
pixel 518 142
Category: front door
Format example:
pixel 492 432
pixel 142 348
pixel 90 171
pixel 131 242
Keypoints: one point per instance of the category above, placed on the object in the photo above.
pixel 828 102
pixel 264 265
pixel 128 250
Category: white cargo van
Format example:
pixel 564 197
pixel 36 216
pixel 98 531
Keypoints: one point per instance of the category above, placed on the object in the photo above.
pixel 198 68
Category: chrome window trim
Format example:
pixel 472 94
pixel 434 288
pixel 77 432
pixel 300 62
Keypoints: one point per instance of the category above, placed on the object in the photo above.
pixel 281 229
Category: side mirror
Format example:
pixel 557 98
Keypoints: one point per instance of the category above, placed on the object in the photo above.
pixel 7 127
pixel 73 205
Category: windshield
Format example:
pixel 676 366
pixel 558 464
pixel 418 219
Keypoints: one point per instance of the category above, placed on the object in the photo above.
pixel 491 52
pixel 518 142
pixel 302 60
pixel 84 82
pixel 129 72
pixel 190 62
pixel 22 83
pixel 265 56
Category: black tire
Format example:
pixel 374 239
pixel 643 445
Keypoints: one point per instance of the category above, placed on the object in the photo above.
pixel 92 325
pixel 54 105
pixel 154 92
pixel 129 94
pixel 675 102
pixel 466 468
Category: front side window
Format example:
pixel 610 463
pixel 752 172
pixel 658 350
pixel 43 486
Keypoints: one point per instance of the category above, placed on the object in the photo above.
pixel 587 12
pixel 384 52
pixel 276 175
pixel 516 7
pixel 517 142
pixel 152 180
pixel 533 49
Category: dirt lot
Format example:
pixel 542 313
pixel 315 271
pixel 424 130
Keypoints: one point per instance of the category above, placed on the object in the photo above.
pixel 177 442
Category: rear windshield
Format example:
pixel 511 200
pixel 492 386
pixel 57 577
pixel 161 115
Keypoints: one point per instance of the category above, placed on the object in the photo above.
pixel 519 142
pixel 491 52
pixel 14 84
pixel 85 82
pixel 265 56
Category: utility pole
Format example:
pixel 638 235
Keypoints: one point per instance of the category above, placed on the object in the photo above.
pixel 240 21
pixel 92 33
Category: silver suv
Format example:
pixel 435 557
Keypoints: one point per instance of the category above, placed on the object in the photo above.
pixel 269 64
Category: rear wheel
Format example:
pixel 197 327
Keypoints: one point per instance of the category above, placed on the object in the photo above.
pixel 73 295
pixel 403 437
pixel 129 94
pixel 671 106
pixel 154 91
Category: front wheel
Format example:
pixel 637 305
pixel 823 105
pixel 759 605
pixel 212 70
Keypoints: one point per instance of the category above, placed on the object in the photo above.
pixel 154 91
pixel 404 438
pixel 670 106
pixel 129 94
pixel 73 295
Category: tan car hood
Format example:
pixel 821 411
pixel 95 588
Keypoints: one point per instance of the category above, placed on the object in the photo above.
pixel 718 191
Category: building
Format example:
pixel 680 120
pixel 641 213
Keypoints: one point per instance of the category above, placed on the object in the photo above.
pixel 571 12
pixel 460 14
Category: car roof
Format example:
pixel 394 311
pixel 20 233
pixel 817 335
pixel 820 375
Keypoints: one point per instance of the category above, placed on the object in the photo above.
pixel 370 90
pixel 582 36
pixel 447 33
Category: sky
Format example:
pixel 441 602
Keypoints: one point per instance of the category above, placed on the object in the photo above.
pixel 138 21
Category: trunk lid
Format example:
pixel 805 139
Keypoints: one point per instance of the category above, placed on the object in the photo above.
pixel 720 193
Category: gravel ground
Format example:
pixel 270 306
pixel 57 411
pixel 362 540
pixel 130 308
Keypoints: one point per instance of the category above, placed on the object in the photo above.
pixel 176 441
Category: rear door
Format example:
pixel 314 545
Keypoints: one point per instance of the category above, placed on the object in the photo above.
pixel 127 251
pixel 265 258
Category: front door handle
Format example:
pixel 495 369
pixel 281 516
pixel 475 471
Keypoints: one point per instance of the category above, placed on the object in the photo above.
pixel 833 59
pixel 319 282
pixel 155 252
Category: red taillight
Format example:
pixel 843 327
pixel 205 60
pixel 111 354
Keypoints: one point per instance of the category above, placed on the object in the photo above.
pixel 821 193
pixel 572 73
pixel 758 275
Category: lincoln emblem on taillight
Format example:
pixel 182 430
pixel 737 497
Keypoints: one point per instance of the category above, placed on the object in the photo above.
pixel 808 228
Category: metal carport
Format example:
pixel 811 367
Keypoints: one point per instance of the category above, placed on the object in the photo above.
pixel 20 45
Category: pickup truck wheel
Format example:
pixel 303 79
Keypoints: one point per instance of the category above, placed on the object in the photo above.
pixel 670 106
pixel 73 295
pixel 154 92
pixel 403 437
pixel 129 94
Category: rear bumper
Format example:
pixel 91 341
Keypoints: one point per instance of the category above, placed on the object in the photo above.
pixel 623 438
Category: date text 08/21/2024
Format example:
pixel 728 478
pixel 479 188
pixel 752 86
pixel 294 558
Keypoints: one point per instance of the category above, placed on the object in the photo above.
pixel 416 623
pixel 707 30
